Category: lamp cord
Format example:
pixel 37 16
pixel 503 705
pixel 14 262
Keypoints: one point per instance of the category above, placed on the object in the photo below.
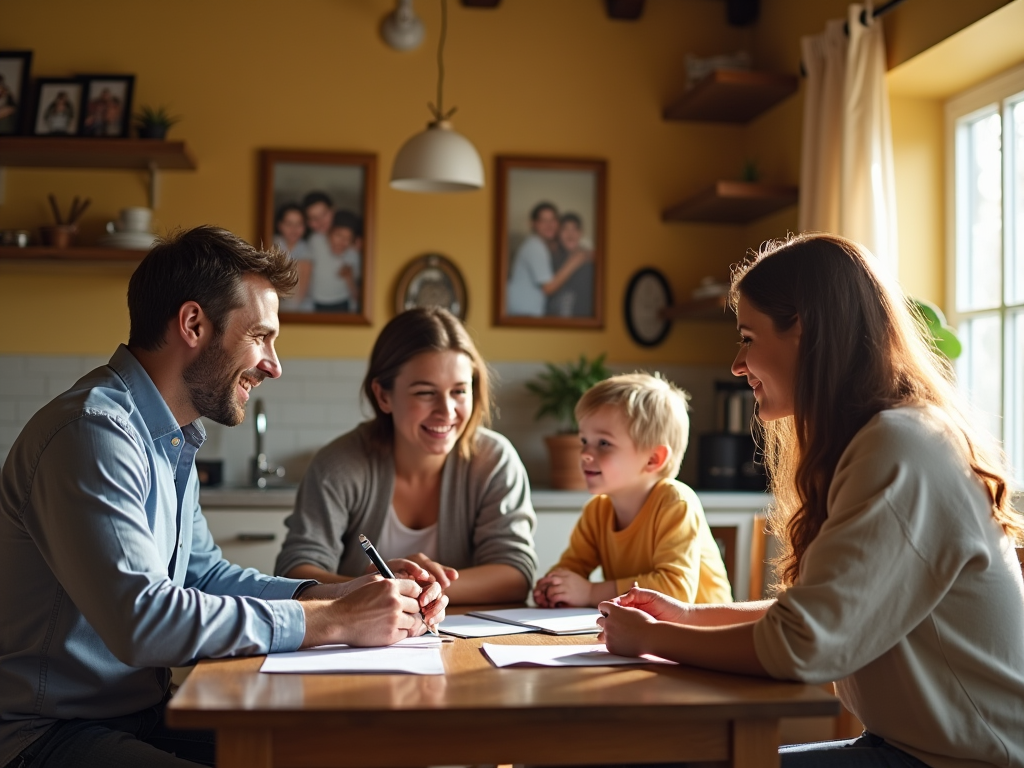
pixel 438 111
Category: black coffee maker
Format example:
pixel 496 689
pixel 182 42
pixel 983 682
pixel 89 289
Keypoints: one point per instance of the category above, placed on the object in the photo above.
pixel 729 459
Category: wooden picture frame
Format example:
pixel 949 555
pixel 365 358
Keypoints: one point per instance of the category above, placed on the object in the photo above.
pixel 549 242
pixel 14 91
pixel 431 280
pixel 107 105
pixel 331 196
pixel 58 109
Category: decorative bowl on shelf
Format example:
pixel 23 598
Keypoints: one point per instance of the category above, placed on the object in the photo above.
pixel 139 241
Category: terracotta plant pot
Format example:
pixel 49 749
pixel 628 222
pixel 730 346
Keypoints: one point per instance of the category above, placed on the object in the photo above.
pixel 564 451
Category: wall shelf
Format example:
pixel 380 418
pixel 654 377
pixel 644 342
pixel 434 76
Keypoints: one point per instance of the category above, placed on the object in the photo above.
pixel 47 253
pixel 732 96
pixel 73 152
pixel 712 308
pixel 733 202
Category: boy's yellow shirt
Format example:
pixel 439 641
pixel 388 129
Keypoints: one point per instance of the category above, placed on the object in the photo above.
pixel 668 547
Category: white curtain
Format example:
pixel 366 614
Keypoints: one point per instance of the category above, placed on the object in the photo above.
pixel 847 181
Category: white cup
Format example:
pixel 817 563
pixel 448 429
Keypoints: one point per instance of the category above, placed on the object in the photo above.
pixel 134 220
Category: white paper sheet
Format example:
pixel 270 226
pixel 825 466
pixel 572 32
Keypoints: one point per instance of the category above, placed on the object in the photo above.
pixel 471 626
pixel 561 656
pixel 414 656
pixel 558 621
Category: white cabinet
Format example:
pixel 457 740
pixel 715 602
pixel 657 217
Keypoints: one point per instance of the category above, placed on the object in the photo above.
pixel 248 537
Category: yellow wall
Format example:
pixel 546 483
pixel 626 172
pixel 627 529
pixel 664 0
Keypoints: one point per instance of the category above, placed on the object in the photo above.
pixel 531 77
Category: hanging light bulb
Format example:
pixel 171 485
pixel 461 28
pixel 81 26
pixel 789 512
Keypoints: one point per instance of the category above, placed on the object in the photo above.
pixel 438 159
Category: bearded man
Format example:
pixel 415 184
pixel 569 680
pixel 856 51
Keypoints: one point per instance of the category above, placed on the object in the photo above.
pixel 110 573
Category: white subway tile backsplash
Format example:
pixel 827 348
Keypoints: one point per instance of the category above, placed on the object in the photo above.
pixel 317 400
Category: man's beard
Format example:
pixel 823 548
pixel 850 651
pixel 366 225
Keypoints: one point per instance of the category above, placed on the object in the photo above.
pixel 211 386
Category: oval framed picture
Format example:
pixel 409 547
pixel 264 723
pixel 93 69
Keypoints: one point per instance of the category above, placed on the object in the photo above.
pixel 647 297
pixel 431 280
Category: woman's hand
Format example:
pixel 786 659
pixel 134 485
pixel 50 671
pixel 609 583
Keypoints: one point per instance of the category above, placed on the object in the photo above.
pixel 432 604
pixel 659 606
pixel 625 631
pixel 421 568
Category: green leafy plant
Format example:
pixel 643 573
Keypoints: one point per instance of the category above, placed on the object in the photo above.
pixel 559 388
pixel 942 335
pixel 152 122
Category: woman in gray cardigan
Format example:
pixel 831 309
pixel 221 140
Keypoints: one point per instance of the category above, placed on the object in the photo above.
pixel 442 497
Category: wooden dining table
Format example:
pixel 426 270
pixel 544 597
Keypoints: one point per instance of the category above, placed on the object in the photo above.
pixel 478 714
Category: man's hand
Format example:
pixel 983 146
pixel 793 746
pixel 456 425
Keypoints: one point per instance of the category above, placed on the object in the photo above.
pixel 562 588
pixel 379 613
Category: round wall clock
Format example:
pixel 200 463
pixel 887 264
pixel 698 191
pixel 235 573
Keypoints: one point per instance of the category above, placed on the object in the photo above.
pixel 648 295
pixel 431 280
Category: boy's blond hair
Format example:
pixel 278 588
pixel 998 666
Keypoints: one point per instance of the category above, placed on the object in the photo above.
pixel 654 408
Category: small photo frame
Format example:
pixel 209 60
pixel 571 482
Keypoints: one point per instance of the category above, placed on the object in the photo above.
pixel 14 70
pixel 58 107
pixel 549 242
pixel 320 207
pixel 107 110
pixel 431 280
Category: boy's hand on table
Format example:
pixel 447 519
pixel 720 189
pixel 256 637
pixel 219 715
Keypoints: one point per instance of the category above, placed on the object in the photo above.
pixel 564 588
pixel 623 630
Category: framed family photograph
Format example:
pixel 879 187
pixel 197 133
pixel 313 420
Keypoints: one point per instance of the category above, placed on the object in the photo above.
pixel 58 107
pixel 14 69
pixel 108 105
pixel 549 242
pixel 319 206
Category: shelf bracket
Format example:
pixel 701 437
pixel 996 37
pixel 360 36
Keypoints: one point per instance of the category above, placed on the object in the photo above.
pixel 154 185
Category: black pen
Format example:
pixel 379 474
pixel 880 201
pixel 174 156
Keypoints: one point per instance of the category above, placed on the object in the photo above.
pixel 383 570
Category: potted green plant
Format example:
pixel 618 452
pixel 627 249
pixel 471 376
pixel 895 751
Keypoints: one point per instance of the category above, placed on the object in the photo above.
pixel 559 388
pixel 154 123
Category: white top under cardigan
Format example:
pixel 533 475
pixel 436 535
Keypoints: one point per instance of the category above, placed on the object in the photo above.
pixel 911 599
pixel 485 517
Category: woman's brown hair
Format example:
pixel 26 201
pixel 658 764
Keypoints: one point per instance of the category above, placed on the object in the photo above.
pixel 862 351
pixel 409 334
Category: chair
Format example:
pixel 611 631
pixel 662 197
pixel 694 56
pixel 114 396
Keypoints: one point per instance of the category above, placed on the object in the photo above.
pixel 1020 558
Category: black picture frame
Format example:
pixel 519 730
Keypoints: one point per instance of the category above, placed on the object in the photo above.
pixel 106 106
pixel 58 110
pixel 14 91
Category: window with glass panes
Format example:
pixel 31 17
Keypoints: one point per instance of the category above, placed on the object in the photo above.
pixel 986 129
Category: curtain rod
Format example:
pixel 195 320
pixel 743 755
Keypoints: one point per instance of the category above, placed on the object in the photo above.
pixel 880 11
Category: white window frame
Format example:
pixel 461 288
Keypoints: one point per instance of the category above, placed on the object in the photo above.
pixel 978 99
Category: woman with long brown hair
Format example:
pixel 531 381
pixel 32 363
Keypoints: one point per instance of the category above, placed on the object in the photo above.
pixel 442 497
pixel 898 578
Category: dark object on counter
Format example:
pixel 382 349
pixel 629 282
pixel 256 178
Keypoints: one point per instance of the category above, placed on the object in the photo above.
pixel 730 462
pixel 58 235
pixel 210 471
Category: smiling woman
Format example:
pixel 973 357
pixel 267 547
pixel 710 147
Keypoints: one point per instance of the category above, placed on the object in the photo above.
pixel 441 496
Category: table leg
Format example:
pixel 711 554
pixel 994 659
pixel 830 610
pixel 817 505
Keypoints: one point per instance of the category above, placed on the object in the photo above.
pixel 755 744
pixel 239 748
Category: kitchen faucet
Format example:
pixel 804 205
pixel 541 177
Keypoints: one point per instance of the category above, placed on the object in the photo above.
pixel 262 470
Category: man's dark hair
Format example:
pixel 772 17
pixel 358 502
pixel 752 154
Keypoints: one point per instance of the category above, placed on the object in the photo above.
pixel 347 220
pixel 316 197
pixel 205 265
pixel 539 208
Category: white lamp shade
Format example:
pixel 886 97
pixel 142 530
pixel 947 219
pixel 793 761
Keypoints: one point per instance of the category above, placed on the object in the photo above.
pixel 438 160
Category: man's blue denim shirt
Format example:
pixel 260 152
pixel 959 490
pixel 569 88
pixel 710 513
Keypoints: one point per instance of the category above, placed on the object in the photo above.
pixel 109 573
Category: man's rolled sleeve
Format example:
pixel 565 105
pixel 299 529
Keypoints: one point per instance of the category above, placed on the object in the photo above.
pixel 289 625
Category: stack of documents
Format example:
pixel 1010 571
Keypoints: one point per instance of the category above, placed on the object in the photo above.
pixel 414 656
pixel 553 621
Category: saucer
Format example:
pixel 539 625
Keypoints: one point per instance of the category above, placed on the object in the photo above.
pixel 140 241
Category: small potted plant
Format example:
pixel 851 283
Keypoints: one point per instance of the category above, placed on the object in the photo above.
pixel 154 123
pixel 559 388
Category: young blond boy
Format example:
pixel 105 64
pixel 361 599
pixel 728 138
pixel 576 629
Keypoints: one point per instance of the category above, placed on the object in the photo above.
pixel 642 525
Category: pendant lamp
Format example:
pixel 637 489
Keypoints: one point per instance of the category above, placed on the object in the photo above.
pixel 438 159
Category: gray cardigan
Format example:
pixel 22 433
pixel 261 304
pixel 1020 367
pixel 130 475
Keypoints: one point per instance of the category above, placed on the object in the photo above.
pixel 485 515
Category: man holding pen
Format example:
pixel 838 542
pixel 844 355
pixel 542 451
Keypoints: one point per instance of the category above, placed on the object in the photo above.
pixel 110 574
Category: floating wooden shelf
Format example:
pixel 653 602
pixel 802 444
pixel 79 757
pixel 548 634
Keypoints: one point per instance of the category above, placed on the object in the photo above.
pixel 53 152
pixel 46 253
pixel 713 308
pixel 732 96
pixel 733 202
